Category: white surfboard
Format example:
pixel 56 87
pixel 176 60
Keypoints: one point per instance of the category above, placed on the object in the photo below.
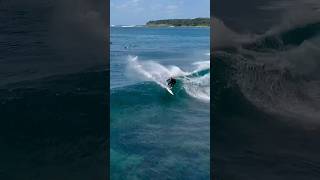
pixel 169 90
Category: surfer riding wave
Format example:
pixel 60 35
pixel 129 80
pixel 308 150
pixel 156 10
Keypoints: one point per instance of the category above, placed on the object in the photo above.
pixel 195 83
pixel 171 82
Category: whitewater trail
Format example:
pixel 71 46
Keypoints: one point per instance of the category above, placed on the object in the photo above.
pixel 195 85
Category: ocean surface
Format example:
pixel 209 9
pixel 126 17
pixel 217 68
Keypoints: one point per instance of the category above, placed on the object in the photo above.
pixel 155 135
pixel 266 92
pixel 53 91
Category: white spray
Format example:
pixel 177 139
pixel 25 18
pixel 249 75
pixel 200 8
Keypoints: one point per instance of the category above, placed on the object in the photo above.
pixel 197 87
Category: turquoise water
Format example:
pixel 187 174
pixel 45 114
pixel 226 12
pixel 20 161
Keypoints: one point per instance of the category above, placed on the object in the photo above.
pixel 155 135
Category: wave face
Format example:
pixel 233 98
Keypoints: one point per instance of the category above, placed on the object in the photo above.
pixel 266 100
pixel 278 73
pixel 145 117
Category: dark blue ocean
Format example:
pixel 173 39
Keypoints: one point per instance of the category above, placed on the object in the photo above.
pixel 266 90
pixel 156 135
pixel 53 90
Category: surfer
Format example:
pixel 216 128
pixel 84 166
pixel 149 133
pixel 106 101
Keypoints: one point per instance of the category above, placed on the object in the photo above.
pixel 171 82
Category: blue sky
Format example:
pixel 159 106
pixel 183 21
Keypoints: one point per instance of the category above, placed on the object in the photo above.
pixel 138 12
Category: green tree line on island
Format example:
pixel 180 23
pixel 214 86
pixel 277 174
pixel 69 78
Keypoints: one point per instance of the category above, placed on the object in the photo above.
pixel 180 22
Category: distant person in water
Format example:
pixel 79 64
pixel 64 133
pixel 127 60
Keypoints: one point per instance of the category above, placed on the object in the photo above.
pixel 171 82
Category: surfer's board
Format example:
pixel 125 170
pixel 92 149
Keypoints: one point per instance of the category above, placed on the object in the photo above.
pixel 169 90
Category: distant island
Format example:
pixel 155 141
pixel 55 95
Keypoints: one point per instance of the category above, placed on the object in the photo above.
pixel 196 22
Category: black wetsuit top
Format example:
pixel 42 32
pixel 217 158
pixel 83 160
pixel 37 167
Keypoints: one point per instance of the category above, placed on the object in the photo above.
pixel 171 82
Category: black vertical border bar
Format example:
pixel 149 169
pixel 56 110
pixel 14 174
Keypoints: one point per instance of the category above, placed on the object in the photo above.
pixel 211 92
pixel 107 58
